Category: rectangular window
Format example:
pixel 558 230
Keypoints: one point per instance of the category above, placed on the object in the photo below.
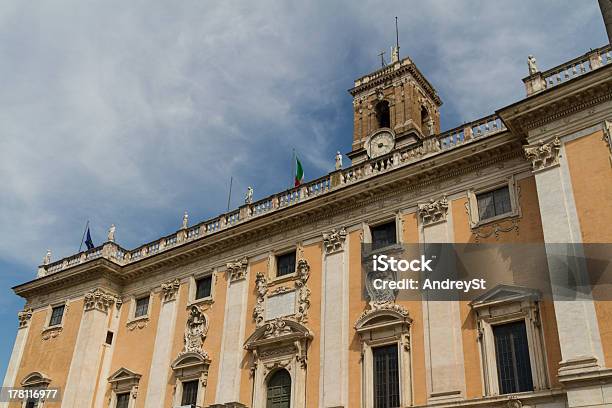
pixel 57 313
pixel 142 307
pixel 383 235
pixel 512 356
pixel 32 403
pixel 285 264
pixel 386 377
pixel 494 203
pixel 123 400
pixel 190 393
pixel 203 287
pixel 109 337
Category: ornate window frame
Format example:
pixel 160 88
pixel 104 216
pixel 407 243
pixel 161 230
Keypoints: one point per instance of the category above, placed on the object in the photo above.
pixel 273 278
pixel 190 366
pixel 385 325
pixel 139 322
pixel 35 379
pixel 472 204
pixel 49 331
pixel 193 279
pixel 383 219
pixel 507 304
pixel 279 343
pixel 123 381
pixel 193 361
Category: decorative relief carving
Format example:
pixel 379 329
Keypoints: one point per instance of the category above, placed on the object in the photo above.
pixel 137 323
pixel 276 328
pixel 433 211
pixel 51 332
pixel 607 136
pixel 97 299
pixel 237 270
pixel 543 155
pixel 261 285
pixel 495 229
pixel 303 270
pixel 195 332
pixel 334 240
pixel 170 289
pixel 24 318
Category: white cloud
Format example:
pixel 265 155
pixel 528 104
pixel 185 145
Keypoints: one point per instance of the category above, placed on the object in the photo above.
pixel 130 112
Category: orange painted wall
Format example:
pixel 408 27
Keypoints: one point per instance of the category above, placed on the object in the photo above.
pixel 134 348
pixel 591 173
pixel 51 357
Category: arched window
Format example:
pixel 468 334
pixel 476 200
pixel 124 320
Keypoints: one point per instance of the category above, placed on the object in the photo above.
pixel 424 116
pixel 382 114
pixel 279 390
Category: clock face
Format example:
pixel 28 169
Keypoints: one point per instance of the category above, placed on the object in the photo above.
pixel 380 144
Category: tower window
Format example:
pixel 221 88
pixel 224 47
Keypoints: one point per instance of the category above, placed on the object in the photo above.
pixel 424 120
pixel 382 114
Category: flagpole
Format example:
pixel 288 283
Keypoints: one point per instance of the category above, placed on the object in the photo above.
pixel 229 196
pixel 292 183
pixel 83 239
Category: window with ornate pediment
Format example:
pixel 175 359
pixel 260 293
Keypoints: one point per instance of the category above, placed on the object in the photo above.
pixel 124 388
pixel 278 351
pixel 35 380
pixel 384 333
pixel 511 340
pixel 190 368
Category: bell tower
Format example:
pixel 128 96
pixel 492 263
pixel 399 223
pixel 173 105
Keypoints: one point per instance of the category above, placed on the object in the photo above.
pixel 393 107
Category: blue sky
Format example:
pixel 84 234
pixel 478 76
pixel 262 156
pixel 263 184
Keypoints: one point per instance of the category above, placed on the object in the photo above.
pixel 133 112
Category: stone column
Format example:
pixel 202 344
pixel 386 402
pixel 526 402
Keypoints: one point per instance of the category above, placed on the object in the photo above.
pixel 334 321
pixel 86 359
pixel 232 343
pixel 161 360
pixel 579 338
pixel 441 318
pixel 10 379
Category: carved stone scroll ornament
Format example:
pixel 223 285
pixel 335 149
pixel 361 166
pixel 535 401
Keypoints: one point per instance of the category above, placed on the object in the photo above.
pixel 170 289
pixel 303 272
pixel 543 155
pixel 433 211
pixel 237 270
pixel 261 285
pixel 195 331
pixel 334 240
pixel 380 298
pixel 607 136
pixel 97 299
pixel 24 318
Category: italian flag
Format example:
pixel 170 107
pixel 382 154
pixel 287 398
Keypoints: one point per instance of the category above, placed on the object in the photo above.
pixel 299 172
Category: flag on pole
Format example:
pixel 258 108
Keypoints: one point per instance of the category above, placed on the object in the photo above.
pixel 88 241
pixel 299 172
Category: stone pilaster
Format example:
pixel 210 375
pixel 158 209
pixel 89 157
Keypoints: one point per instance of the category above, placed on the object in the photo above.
pixel 334 320
pixel 232 351
pixel 581 350
pixel 10 378
pixel 162 358
pixel 443 342
pixel 88 351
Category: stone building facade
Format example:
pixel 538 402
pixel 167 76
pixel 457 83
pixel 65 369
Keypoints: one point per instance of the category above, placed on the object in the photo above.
pixel 264 307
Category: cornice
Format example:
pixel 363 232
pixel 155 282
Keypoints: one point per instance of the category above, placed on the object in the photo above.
pixel 455 163
pixel 584 92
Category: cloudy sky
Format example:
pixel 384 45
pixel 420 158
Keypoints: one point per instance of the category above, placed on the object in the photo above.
pixel 133 112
